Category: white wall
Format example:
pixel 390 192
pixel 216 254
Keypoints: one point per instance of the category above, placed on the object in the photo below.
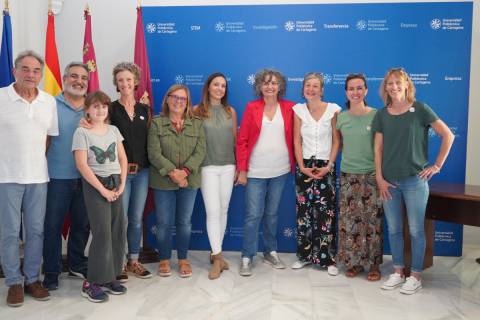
pixel 113 24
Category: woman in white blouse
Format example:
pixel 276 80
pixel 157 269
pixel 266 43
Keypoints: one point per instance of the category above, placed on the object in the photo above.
pixel 316 142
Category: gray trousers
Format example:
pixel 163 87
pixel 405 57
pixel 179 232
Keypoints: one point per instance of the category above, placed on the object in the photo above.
pixel 105 256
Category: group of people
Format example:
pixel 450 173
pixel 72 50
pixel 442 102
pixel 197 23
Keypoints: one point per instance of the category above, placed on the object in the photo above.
pixel 102 156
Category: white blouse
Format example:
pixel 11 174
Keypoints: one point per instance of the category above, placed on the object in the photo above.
pixel 270 157
pixel 316 135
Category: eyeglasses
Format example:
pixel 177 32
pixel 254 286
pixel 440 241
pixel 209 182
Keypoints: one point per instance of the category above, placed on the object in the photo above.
pixel 176 98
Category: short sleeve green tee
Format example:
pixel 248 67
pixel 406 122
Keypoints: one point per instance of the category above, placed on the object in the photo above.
pixel 357 140
pixel 405 140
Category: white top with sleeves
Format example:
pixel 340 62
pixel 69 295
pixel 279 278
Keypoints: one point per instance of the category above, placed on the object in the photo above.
pixel 24 127
pixel 316 135
pixel 270 157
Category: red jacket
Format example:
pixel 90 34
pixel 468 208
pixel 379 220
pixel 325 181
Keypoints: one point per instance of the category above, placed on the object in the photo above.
pixel 250 131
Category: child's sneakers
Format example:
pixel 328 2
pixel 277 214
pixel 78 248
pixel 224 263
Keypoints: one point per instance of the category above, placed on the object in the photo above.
pixel 93 292
pixel 114 287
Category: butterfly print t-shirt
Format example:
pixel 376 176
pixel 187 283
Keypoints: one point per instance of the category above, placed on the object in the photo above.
pixel 102 150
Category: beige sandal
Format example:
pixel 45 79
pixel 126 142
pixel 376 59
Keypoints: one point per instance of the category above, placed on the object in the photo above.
pixel 164 269
pixel 184 268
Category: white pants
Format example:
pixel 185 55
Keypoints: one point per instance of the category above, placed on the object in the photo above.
pixel 217 185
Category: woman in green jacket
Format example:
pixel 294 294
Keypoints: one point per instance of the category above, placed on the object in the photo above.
pixel 176 149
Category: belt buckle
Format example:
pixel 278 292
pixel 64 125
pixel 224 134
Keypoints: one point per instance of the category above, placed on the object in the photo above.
pixel 132 168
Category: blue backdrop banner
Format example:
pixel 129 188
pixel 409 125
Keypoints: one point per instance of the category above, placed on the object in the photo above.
pixel 430 40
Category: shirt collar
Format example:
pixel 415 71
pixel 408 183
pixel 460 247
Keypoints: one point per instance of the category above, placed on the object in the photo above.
pixel 14 96
pixel 61 98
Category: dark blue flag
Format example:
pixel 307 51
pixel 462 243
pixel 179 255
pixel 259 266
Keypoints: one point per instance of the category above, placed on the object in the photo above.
pixel 6 57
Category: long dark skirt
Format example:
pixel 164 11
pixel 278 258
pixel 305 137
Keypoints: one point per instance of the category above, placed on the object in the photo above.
pixel 360 232
pixel 316 216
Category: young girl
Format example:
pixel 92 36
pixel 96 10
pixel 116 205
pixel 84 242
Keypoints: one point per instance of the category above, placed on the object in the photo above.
pixel 101 160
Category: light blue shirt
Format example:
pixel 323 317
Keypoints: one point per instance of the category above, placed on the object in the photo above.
pixel 61 164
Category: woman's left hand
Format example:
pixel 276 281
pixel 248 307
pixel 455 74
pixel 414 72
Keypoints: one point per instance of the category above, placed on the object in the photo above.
pixel 428 172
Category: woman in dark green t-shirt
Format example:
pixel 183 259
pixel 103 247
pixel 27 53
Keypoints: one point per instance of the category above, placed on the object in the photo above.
pixel 402 170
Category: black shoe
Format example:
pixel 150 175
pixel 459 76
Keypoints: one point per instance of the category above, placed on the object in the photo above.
pixel 50 281
pixel 113 287
pixel 77 274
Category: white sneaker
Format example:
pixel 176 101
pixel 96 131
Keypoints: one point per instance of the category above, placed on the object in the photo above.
pixel 272 259
pixel 411 286
pixel 394 280
pixel 332 270
pixel 300 264
pixel 246 267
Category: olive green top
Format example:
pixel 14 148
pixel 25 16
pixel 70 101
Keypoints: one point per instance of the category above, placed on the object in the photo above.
pixel 168 150
pixel 219 134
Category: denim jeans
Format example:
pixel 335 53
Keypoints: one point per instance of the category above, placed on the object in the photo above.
pixel 134 197
pixel 63 196
pixel 262 198
pixel 31 200
pixel 174 207
pixel 412 191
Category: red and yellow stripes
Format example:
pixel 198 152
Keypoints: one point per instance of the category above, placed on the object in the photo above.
pixel 53 81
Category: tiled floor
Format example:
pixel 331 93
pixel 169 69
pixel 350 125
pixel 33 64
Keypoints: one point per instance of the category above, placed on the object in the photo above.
pixel 451 291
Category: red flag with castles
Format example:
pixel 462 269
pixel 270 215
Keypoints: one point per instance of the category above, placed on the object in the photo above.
pixel 89 53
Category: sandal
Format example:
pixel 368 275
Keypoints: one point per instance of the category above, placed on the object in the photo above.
pixel 354 271
pixel 164 268
pixel 374 275
pixel 184 268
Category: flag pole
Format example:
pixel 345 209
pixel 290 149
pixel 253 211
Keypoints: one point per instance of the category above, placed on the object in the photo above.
pixel 6 9
pixel 139 3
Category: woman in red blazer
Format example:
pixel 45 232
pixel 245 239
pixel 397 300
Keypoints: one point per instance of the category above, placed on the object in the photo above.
pixel 264 152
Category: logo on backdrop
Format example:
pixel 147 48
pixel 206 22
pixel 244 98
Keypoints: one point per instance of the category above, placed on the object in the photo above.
pixel 372 25
pixel 219 27
pixel 151 27
pixel 162 27
pixel 420 78
pixel 179 79
pixel 300 26
pixel 251 79
pixel 189 79
pixel 452 24
pixel 232 27
pixel 327 78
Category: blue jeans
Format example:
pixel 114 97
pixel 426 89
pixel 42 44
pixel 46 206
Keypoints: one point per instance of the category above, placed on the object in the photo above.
pixel 31 200
pixel 63 196
pixel 174 207
pixel 412 191
pixel 134 197
pixel 262 198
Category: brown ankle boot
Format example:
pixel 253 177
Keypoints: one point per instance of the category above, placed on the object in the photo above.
pixel 217 267
pixel 225 265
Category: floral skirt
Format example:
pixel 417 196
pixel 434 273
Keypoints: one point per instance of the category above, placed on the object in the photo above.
pixel 316 218
pixel 360 235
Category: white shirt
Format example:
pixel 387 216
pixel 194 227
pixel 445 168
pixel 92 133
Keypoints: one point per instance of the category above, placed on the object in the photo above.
pixel 270 157
pixel 316 135
pixel 24 128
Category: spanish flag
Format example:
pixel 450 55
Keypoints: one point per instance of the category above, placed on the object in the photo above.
pixel 53 82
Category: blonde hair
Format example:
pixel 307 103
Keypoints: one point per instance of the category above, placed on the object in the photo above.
pixel 402 74
pixel 188 110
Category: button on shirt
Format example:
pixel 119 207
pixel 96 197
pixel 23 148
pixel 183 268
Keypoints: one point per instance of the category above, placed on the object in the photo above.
pixel 61 164
pixel 24 127
pixel 316 135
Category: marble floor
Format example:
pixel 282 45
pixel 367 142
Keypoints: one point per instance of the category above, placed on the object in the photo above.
pixel 451 291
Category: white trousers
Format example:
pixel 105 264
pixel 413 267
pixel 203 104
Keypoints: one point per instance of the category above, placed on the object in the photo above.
pixel 217 185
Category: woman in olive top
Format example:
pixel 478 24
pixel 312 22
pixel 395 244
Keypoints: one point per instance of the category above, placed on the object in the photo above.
pixel 360 237
pixel 402 170
pixel 176 149
pixel 218 168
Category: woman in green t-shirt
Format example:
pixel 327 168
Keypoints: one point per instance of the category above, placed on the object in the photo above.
pixel 360 234
pixel 402 170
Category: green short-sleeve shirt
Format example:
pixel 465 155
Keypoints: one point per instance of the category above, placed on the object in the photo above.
pixel 405 140
pixel 357 140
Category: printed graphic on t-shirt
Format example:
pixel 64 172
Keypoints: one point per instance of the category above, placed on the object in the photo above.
pixel 101 155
